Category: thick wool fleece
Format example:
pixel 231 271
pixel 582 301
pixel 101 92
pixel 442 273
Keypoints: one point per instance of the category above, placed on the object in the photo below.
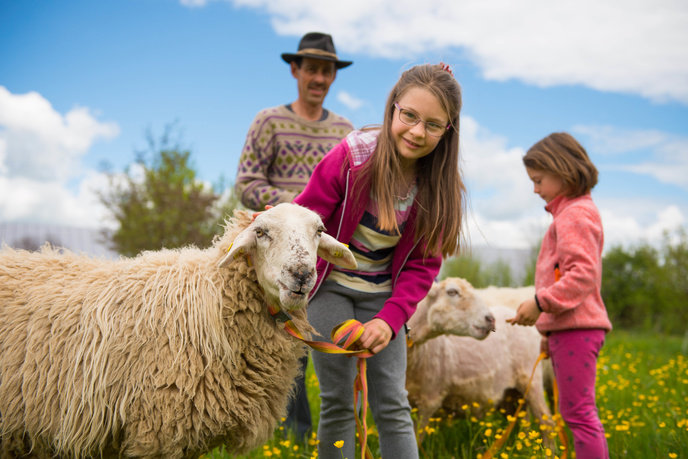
pixel 163 355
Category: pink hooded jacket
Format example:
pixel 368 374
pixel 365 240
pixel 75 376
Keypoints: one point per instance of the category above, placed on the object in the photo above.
pixel 573 243
pixel 331 194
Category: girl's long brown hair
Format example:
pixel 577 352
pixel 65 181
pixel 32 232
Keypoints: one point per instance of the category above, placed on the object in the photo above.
pixel 441 191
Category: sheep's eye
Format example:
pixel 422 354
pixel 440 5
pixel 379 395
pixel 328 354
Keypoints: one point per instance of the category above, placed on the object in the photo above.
pixel 320 231
pixel 260 232
pixel 453 292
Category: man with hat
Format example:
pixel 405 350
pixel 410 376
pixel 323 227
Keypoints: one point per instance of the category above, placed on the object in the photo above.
pixel 283 146
pixel 285 143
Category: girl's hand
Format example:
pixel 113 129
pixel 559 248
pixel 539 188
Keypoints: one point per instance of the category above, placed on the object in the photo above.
pixel 527 313
pixel 376 335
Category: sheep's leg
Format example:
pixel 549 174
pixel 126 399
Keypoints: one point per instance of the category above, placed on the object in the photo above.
pixel 425 412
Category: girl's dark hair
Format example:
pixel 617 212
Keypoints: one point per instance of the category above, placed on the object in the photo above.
pixel 561 155
pixel 441 191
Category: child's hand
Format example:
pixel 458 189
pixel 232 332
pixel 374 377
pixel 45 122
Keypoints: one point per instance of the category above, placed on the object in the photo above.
pixel 527 313
pixel 376 336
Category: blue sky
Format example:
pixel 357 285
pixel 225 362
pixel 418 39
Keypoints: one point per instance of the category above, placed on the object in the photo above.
pixel 82 81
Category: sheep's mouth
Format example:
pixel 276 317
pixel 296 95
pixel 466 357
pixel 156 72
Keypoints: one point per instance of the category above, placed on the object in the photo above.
pixel 293 298
pixel 482 332
pixel 296 293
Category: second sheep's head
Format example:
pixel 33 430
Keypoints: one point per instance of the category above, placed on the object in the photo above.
pixel 283 243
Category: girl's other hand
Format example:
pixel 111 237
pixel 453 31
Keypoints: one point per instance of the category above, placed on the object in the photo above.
pixel 376 335
pixel 527 313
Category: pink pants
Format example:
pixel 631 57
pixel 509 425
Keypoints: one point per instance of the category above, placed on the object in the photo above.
pixel 574 358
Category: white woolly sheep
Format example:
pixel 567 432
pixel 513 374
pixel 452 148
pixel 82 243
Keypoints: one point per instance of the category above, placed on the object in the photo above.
pixel 168 354
pixel 510 297
pixel 475 367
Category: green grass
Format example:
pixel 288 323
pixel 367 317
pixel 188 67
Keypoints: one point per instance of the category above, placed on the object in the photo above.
pixel 642 395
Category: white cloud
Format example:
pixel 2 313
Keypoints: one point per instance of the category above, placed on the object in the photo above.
pixel 669 152
pixel 504 211
pixel 623 226
pixel 349 100
pixel 40 155
pixel 629 46
pixel 494 173
pixel 42 144
pixel 37 201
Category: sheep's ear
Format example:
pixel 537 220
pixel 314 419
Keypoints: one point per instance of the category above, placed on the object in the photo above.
pixel 245 241
pixel 335 252
pixel 432 293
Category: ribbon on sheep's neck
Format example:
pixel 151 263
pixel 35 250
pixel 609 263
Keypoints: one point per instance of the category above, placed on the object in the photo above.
pixel 346 335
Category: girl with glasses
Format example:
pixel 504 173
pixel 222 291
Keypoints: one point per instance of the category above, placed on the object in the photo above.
pixel 395 195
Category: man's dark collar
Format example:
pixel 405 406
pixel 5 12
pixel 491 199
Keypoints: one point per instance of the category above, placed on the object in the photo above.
pixel 323 117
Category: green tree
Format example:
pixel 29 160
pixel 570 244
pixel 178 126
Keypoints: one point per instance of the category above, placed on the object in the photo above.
pixel 531 263
pixel 464 266
pixel 473 270
pixel 160 202
pixel 646 288
pixel 499 274
pixel 673 284
pixel 630 286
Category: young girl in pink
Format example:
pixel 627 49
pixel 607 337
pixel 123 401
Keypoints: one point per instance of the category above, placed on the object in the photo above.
pixel 396 196
pixel 567 308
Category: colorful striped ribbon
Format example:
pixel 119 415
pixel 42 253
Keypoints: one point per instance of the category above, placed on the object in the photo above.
pixel 347 332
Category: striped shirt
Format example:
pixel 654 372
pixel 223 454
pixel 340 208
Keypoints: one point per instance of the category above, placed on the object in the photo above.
pixel 373 249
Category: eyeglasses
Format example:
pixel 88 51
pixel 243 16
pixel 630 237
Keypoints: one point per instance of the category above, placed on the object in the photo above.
pixel 411 119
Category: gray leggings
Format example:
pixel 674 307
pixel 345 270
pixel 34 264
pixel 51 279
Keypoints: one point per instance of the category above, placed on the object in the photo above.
pixel 387 394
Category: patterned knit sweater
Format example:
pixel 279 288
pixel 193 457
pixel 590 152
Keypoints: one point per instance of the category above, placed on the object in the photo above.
pixel 280 153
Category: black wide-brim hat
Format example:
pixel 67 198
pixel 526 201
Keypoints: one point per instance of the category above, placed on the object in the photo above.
pixel 317 45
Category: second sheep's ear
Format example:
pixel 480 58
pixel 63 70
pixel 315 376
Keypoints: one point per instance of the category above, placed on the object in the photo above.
pixel 335 252
pixel 432 293
pixel 244 242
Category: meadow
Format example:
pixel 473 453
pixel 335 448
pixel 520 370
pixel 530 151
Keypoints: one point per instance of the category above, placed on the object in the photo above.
pixel 642 394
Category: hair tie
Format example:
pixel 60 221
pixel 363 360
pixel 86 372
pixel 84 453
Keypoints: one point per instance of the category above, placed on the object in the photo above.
pixel 446 68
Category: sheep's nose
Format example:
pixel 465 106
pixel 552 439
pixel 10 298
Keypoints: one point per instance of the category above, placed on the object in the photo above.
pixel 490 320
pixel 302 275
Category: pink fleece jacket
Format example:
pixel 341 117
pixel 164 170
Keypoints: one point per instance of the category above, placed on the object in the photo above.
pixel 331 194
pixel 573 243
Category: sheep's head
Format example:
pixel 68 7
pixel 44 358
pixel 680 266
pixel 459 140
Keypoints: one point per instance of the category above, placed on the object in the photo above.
pixel 451 307
pixel 283 243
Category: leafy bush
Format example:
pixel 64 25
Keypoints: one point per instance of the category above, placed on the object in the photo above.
pixel 160 202
pixel 480 276
pixel 646 288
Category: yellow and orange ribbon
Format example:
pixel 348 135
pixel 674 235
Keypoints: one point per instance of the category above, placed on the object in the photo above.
pixel 347 332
